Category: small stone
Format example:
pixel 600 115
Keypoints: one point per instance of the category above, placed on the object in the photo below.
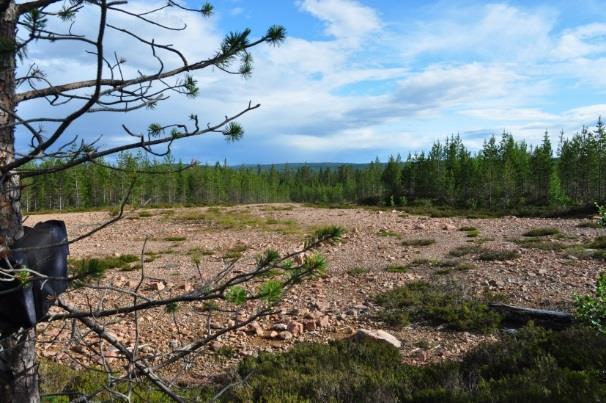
pixel 256 329
pixel 324 321
pixel 157 286
pixel 419 354
pixel 309 325
pixel 187 287
pixel 280 327
pixel 285 335
pixel 215 346
pixel 296 328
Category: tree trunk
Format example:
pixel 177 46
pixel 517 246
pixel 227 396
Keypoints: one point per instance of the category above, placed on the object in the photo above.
pixel 18 365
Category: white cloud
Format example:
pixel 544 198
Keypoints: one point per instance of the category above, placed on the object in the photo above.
pixel 494 31
pixel 346 20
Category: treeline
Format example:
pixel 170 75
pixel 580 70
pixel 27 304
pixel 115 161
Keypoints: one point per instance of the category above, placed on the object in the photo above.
pixel 504 174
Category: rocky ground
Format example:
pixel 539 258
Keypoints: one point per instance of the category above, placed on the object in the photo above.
pixel 318 310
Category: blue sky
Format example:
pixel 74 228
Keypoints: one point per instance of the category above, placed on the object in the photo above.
pixel 359 79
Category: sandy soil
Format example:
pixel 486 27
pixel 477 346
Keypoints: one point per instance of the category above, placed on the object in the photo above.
pixel 331 307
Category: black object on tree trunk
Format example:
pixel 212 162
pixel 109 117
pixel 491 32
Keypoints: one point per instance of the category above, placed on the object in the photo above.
pixel 44 250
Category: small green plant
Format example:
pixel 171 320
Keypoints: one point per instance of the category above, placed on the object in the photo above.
pixel 541 244
pixel 467 229
pixel 235 252
pixel 601 215
pixel 498 255
pixel 175 238
pixel 237 295
pixel 421 262
pixel 388 233
pixel 473 233
pixel 145 214
pixel 102 264
pixel 592 309
pixel 358 271
pixel 598 243
pixel 546 231
pixel 461 251
pixel 589 224
pixel 418 242
pixel 271 291
pixel 396 268
pixel 424 344
pixel 226 351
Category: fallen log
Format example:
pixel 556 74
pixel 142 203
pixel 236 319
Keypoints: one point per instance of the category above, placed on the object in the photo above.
pixel 515 316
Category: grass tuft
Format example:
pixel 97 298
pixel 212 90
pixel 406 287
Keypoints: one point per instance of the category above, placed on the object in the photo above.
pixel 498 255
pixel 461 251
pixel 418 242
pixel 396 268
pixel 175 238
pixel 358 271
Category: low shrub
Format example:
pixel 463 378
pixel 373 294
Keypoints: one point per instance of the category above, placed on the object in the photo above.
pixel 589 224
pixel 461 251
pixel 542 244
pixel 598 243
pixel 422 302
pixel 102 264
pixel 532 365
pixel 545 231
pixel 498 255
pixel 473 233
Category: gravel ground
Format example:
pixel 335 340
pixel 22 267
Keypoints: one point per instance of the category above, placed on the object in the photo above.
pixel 330 307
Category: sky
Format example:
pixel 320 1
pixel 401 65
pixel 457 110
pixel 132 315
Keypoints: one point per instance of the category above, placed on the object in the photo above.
pixel 359 79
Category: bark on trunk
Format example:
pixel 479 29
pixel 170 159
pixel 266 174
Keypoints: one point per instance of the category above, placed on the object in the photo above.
pixel 18 364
